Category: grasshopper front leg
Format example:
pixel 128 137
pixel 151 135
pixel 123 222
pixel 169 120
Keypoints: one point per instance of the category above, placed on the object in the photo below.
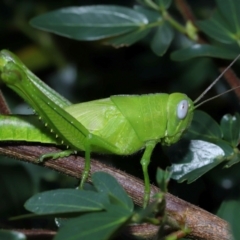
pixel 145 162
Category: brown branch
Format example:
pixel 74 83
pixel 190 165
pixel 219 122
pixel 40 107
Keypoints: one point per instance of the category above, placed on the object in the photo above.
pixel 203 225
pixel 35 234
pixel 185 10
pixel 4 109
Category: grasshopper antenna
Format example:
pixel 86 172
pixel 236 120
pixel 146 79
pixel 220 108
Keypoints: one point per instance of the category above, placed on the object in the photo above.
pixel 214 82
pixel 209 99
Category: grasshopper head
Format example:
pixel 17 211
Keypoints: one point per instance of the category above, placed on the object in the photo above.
pixel 179 112
pixel 6 57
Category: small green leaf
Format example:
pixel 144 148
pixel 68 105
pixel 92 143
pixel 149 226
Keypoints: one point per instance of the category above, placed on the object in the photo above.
pixel 230 126
pixel 230 10
pixel 201 50
pixel 191 31
pixel 128 38
pixel 90 22
pixel 218 28
pixel 100 226
pixel 200 158
pixel 66 201
pixel 203 127
pixel 224 26
pixel 11 235
pixel 164 4
pixel 162 39
pixel 230 211
pixel 108 185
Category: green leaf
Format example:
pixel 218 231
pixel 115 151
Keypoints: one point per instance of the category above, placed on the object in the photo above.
pixel 100 226
pixel 230 126
pixel 90 22
pixel 230 211
pixel 218 28
pixel 162 39
pixel 108 185
pixel 203 127
pixel 128 38
pixel 230 9
pixel 152 16
pixel 201 50
pixel 66 201
pixel 226 147
pixel 11 235
pixel 164 4
pixel 224 26
pixel 200 157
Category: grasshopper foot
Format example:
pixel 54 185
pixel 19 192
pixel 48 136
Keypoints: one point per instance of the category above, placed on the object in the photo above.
pixel 56 155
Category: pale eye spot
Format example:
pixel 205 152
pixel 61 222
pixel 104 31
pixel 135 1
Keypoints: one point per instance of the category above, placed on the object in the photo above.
pixel 182 109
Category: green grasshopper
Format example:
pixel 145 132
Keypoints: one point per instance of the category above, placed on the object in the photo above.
pixel 122 124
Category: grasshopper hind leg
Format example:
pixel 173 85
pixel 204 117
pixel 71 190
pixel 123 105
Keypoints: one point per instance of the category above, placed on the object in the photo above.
pixel 93 140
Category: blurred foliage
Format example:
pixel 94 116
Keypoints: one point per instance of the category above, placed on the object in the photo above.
pixel 83 71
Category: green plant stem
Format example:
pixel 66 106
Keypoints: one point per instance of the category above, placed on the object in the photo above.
pixel 168 18
pixel 173 22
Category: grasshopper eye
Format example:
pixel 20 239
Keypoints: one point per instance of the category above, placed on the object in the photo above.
pixel 182 109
